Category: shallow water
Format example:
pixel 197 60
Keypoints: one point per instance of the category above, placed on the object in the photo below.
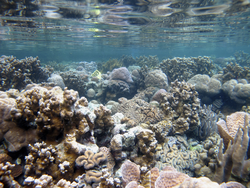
pixel 99 30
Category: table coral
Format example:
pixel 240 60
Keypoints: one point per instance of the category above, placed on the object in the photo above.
pixel 182 106
pixel 185 68
pixel 17 73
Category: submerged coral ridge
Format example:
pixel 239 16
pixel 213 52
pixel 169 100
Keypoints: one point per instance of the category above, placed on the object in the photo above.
pixel 130 127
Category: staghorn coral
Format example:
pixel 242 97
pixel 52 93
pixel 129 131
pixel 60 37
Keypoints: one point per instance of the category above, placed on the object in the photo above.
pixel 242 58
pixel 182 106
pixel 185 68
pixel 109 65
pixel 17 74
pixel 90 159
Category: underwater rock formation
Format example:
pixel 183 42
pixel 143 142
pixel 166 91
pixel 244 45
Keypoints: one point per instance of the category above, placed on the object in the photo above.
pixel 15 73
pixel 182 106
pixel 185 68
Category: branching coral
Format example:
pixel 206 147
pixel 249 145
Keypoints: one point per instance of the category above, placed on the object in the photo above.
pixel 185 68
pixel 17 74
pixel 182 106
pixel 233 160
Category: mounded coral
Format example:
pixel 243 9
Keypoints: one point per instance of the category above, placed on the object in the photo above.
pixel 237 90
pixel 130 172
pixel 185 68
pixel 182 106
pixel 205 85
pixel 150 61
pixel 156 78
pixel 15 73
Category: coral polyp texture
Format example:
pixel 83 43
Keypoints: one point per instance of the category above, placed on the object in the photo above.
pixel 182 105
pixel 185 68
pixel 126 128
pixel 17 73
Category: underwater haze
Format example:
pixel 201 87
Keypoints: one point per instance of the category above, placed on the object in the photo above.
pixel 99 30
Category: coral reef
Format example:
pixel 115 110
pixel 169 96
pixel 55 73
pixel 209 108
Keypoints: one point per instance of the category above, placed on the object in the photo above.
pixel 130 172
pixel 109 65
pixel 90 159
pixel 233 160
pixel 185 68
pixel 140 111
pixel 242 58
pixel 208 121
pixel 150 61
pixel 17 73
pixel 57 80
pixel 206 86
pixel 228 129
pixel 234 71
pixel 14 136
pixel 156 78
pixel 237 90
pixel 182 106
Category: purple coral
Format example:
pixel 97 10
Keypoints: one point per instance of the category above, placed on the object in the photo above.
pixel 121 74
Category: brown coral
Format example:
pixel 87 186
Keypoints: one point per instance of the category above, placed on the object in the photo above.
pixel 15 73
pixel 182 106
pixel 185 68
pixel 170 179
pixel 130 172
pixel 89 159
pixel 228 129
pixel 233 160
